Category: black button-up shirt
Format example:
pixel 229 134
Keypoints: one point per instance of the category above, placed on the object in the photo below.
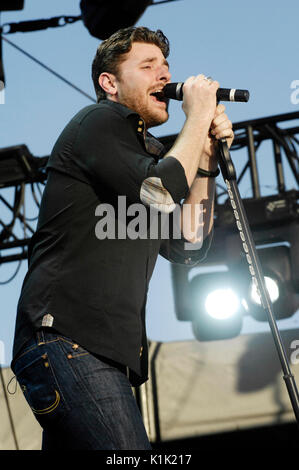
pixel 86 285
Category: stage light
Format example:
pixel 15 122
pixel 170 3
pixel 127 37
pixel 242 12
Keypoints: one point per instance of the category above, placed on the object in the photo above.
pixel 222 303
pixel 276 265
pixel 103 17
pixel 216 302
pixel 10 5
pixel 272 287
pixel 217 307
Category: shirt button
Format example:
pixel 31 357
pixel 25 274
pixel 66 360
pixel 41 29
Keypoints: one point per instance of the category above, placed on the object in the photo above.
pixel 140 123
pixel 139 129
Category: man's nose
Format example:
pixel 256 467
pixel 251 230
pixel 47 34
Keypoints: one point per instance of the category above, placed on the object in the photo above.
pixel 164 74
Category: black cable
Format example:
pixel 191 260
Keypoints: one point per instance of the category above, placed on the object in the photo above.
pixel 31 219
pixel 55 22
pixel 9 410
pixel 291 144
pixel 34 25
pixel 295 139
pixel 49 69
pixel 38 25
pixel 7 230
pixel 220 186
pixel 162 1
pixel 18 215
pixel 15 210
pixel 34 196
pixel 37 202
pixel 281 139
pixel 2 283
pixel 39 190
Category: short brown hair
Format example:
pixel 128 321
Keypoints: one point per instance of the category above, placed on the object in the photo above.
pixel 109 53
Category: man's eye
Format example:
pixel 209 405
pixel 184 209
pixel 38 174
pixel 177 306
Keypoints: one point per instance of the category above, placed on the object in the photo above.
pixel 146 67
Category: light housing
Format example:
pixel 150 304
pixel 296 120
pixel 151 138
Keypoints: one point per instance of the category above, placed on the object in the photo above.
pixel 277 266
pixel 214 319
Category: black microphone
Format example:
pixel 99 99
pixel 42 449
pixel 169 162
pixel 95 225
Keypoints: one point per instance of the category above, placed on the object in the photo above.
pixel 175 91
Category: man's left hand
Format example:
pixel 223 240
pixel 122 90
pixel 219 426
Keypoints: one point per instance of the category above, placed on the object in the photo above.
pixel 221 127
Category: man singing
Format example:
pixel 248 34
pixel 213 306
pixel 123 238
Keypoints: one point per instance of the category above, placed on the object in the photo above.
pixel 80 339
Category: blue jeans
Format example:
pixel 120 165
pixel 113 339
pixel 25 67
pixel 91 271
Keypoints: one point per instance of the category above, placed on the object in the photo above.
pixel 81 402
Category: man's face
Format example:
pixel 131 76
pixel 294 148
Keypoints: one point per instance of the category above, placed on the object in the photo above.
pixel 143 72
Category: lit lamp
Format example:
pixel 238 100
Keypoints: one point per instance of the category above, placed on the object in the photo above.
pixel 276 266
pixel 217 306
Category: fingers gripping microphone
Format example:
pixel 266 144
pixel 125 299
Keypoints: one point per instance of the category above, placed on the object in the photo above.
pixel 175 91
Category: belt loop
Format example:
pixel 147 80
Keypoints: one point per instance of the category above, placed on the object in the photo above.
pixel 40 337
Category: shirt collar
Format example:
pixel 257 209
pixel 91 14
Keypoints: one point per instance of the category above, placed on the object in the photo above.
pixel 122 109
pixel 152 145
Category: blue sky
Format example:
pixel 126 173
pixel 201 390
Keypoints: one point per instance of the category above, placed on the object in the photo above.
pixel 251 45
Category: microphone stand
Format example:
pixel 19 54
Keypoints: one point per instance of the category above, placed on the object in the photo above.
pixel 255 269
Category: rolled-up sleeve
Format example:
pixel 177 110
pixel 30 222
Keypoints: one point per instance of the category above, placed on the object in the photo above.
pixel 164 191
pixel 108 149
pixel 179 250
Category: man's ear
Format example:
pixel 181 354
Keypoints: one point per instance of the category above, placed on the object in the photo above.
pixel 108 82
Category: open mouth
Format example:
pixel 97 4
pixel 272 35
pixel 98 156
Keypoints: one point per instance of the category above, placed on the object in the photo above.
pixel 159 96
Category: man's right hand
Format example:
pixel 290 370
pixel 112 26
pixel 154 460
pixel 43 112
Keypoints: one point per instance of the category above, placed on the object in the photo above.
pixel 199 99
pixel 199 105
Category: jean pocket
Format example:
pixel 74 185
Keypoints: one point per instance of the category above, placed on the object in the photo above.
pixel 71 349
pixel 41 390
